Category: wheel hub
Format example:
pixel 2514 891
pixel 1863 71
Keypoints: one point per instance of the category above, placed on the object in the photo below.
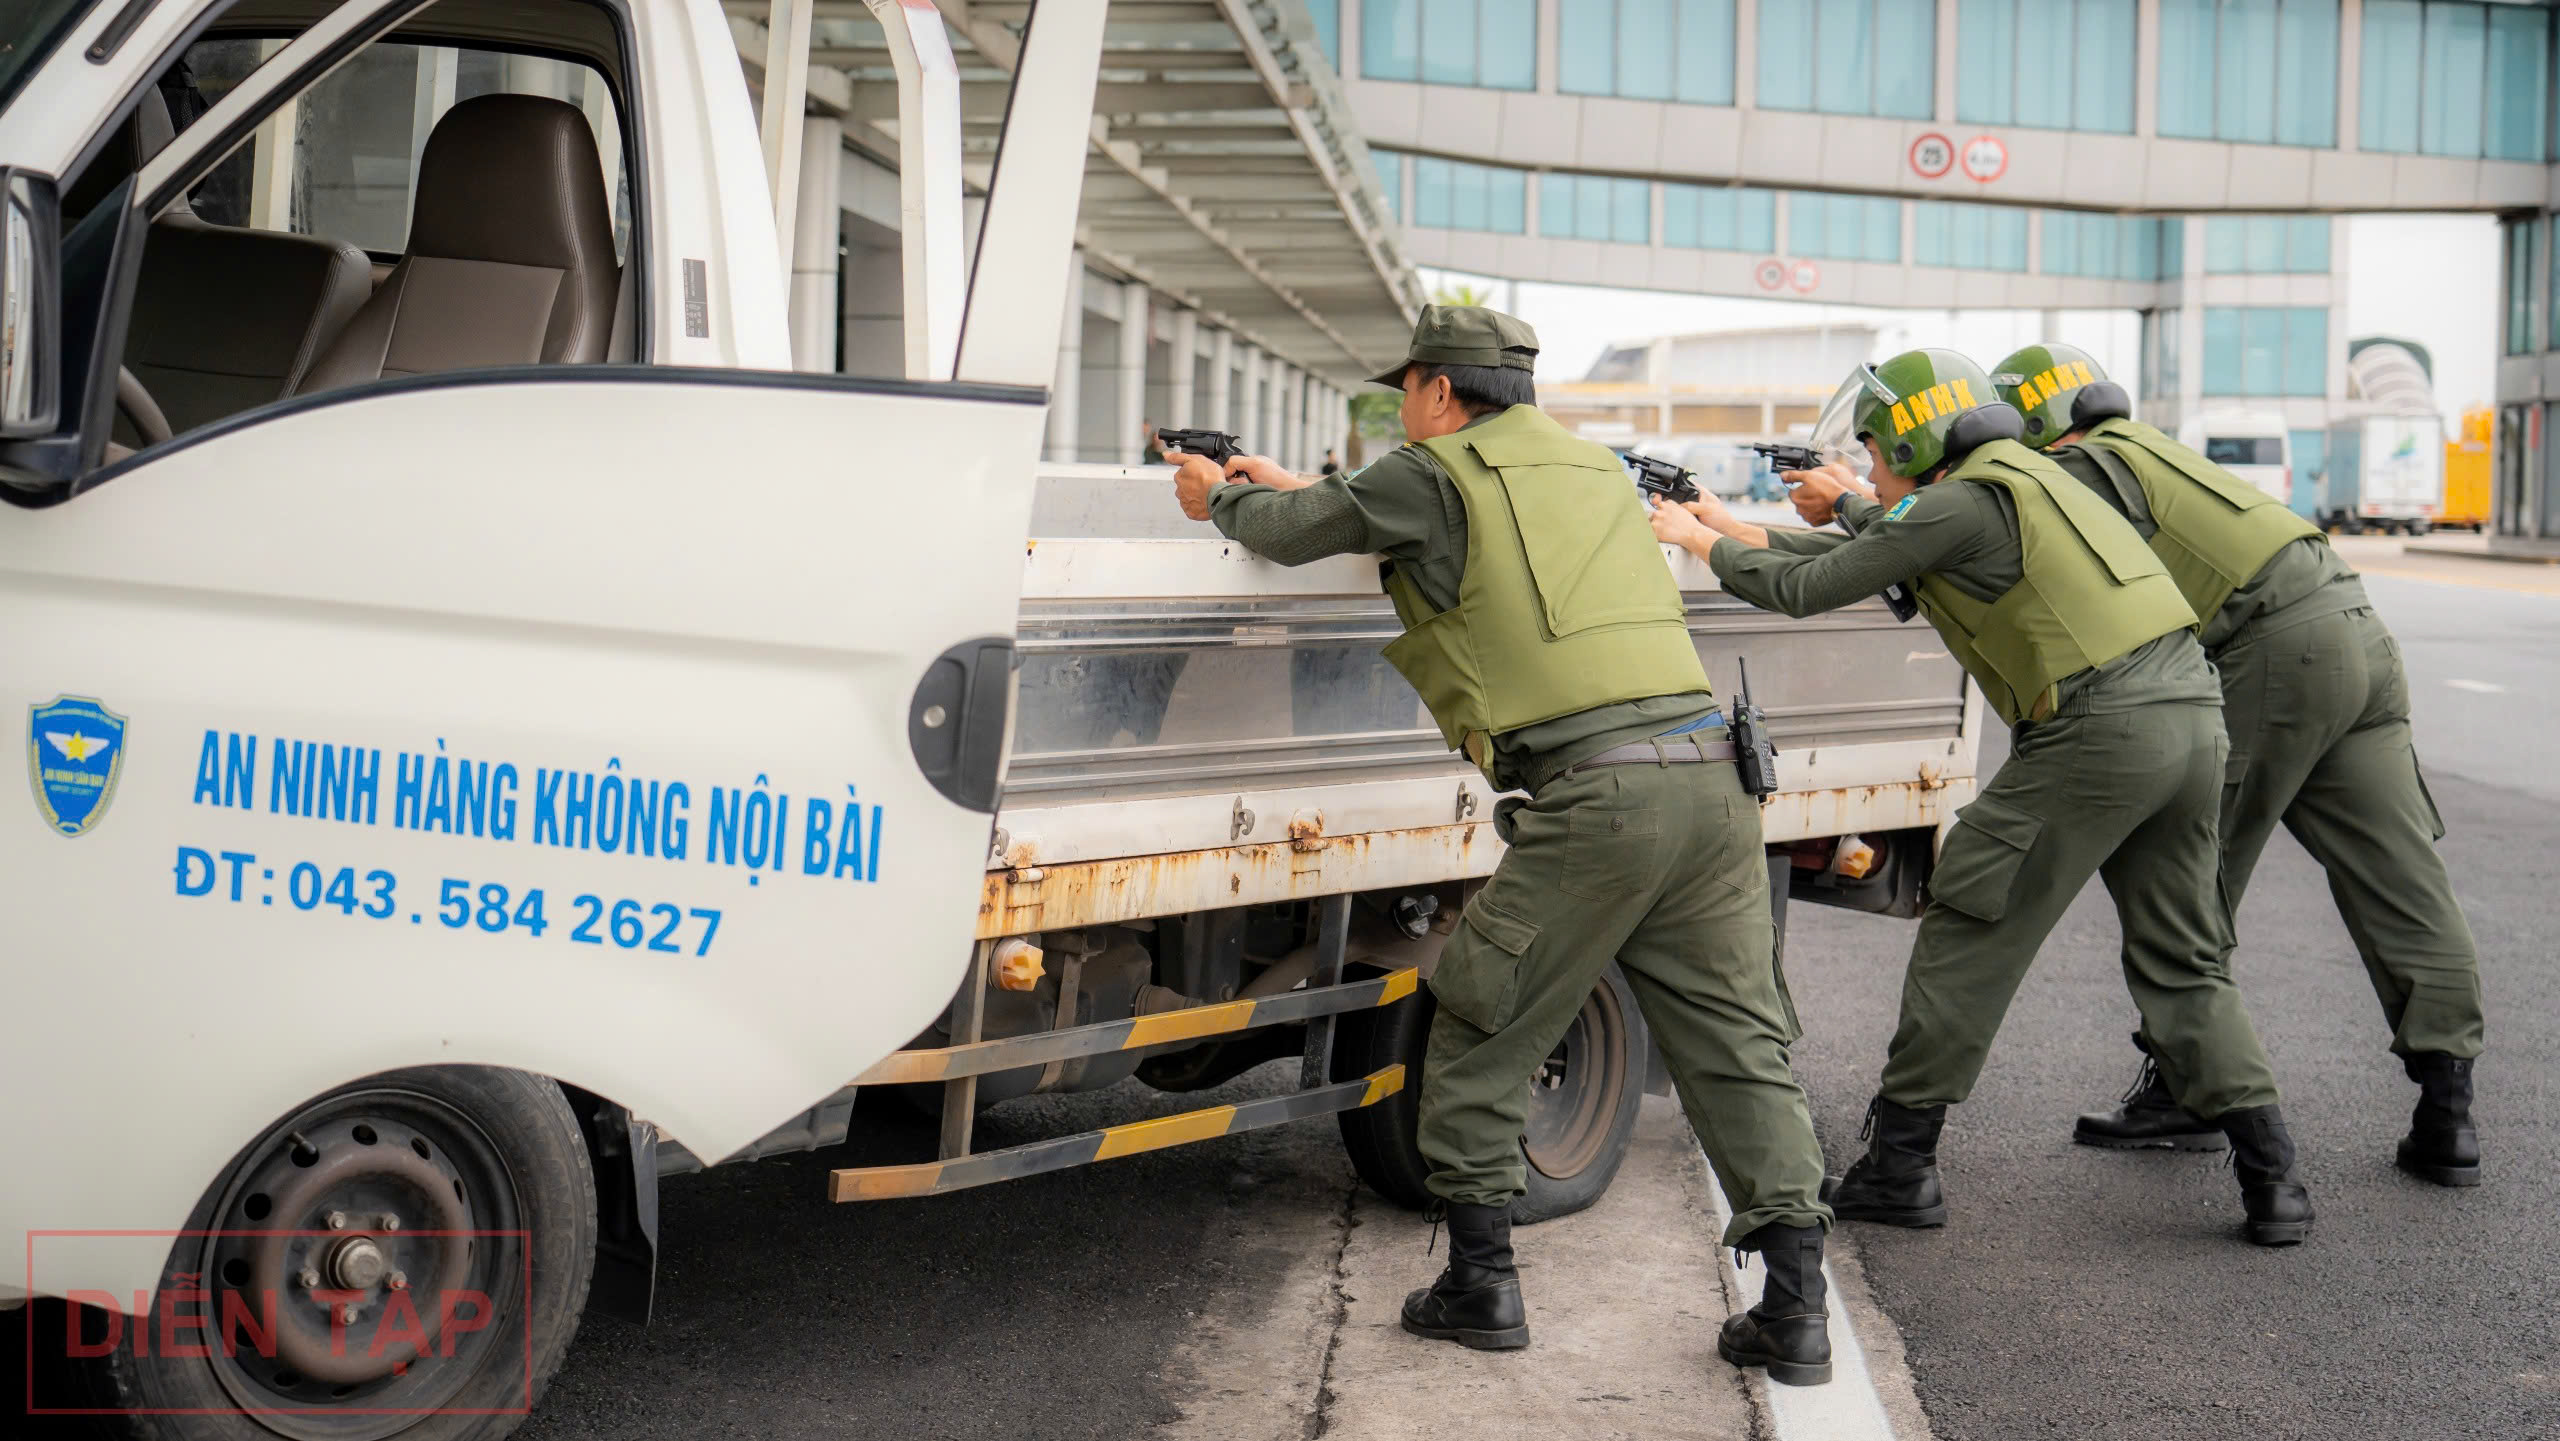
pixel 1576 1090
pixel 367 1244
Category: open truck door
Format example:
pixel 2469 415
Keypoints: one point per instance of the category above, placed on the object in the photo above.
pixel 550 680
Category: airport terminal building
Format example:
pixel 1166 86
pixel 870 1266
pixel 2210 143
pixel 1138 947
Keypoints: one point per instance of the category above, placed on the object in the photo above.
pixel 1271 173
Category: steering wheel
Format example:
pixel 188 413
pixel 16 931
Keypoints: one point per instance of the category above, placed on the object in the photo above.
pixel 140 411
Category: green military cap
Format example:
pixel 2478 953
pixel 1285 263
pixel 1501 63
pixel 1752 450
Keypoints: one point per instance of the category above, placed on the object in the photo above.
pixel 1466 335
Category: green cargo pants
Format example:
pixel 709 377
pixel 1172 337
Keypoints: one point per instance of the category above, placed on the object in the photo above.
pixel 2319 717
pixel 2130 796
pixel 1661 869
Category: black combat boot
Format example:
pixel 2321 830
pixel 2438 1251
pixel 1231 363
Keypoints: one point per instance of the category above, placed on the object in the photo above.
pixel 2441 1145
pixel 2278 1204
pixel 1896 1181
pixel 1476 1301
pixel 2148 1118
pixel 1789 1332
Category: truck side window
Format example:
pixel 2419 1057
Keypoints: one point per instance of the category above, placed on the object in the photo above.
pixel 333 247
pixel 342 159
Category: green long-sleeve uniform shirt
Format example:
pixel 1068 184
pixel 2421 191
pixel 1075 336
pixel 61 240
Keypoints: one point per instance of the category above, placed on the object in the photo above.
pixel 1967 535
pixel 1406 508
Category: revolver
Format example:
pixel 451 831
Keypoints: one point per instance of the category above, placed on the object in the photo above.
pixel 1790 457
pixel 1662 478
pixel 1214 445
pixel 1897 596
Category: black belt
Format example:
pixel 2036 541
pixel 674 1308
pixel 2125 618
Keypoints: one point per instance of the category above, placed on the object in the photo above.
pixel 1660 751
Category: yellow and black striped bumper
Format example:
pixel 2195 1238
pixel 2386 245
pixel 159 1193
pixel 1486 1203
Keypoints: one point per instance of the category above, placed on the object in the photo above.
pixel 881 1183
pixel 1165 1027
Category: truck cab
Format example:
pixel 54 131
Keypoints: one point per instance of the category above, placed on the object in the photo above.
pixel 455 648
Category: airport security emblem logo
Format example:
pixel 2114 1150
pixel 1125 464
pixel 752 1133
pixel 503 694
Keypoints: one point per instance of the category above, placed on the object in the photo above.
pixel 75 751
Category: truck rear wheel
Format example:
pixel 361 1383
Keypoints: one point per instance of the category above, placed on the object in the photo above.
pixel 1582 1102
pixel 406 1256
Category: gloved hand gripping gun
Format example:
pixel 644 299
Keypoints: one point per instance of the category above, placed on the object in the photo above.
pixel 1215 445
pixel 1782 458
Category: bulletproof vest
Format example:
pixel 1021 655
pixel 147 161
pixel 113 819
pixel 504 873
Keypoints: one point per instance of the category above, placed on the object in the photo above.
pixel 1565 603
pixel 2090 590
pixel 2214 531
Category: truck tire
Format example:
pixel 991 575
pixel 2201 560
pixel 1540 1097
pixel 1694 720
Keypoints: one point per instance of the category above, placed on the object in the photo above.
pixel 1582 1103
pixel 493 1154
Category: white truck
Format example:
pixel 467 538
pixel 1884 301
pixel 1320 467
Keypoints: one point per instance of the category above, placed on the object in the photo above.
pixel 2386 472
pixel 497 736
pixel 2253 445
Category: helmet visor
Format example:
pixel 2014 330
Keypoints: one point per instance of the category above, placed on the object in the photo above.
pixel 1835 430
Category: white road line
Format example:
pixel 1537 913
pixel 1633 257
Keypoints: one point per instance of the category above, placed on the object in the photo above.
pixel 1848 1409
pixel 2478 687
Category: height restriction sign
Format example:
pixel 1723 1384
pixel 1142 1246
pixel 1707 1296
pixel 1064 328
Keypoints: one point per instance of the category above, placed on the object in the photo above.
pixel 1985 158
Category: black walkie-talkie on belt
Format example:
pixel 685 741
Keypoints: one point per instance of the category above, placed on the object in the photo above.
pixel 1754 754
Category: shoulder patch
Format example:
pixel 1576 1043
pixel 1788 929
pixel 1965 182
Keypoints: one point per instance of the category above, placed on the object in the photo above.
pixel 1902 505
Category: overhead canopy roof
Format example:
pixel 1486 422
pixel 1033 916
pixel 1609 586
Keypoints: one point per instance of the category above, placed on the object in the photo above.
pixel 1225 171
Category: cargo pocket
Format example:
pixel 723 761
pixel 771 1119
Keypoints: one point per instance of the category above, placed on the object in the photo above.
pixel 2435 818
pixel 1608 854
pixel 1478 978
pixel 1978 867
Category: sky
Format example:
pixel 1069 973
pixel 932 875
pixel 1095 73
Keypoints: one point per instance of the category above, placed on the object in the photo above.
pixel 2428 278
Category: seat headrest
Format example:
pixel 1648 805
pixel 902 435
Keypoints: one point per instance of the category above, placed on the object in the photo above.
pixel 144 133
pixel 512 179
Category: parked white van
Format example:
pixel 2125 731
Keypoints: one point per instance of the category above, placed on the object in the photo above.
pixel 2252 445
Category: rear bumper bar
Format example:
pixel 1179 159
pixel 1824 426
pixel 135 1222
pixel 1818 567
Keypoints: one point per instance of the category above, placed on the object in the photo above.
pixel 1163 1028
pixel 932 1178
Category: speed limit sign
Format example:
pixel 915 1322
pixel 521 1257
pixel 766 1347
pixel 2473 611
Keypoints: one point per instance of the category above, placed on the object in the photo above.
pixel 1932 156
pixel 1772 274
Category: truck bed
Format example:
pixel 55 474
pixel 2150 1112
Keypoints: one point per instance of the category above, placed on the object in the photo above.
pixel 1196 727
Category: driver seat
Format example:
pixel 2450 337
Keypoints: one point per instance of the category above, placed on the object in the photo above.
pixel 510 256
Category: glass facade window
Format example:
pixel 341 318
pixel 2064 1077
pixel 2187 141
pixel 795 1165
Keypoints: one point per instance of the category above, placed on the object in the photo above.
pixel 1595 207
pixel 2266 245
pixel 1455 195
pixel 1492 44
pixel 1390 167
pixel 2160 330
pixel 2109 247
pixel 2310 470
pixel 2256 71
pixel 1327 14
pixel 2052 64
pixel 2551 281
pixel 2518 337
pixel 2455 77
pixel 1970 237
pixel 1704 217
pixel 1849 57
pixel 1646 49
pixel 2266 350
pixel 1844 227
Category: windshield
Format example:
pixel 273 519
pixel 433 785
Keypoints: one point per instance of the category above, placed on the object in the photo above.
pixel 2244 449
pixel 29 29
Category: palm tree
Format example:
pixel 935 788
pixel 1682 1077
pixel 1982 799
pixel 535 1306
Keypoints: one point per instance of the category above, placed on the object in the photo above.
pixel 1461 294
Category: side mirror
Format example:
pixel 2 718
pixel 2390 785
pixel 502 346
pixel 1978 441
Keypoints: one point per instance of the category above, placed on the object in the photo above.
pixel 30 304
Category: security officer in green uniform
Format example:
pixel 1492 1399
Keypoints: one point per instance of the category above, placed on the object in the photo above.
pixel 1546 636
pixel 2318 713
pixel 2080 641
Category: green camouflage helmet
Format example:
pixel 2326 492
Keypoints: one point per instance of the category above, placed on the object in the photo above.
pixel 2045 383
pixel 1911 403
